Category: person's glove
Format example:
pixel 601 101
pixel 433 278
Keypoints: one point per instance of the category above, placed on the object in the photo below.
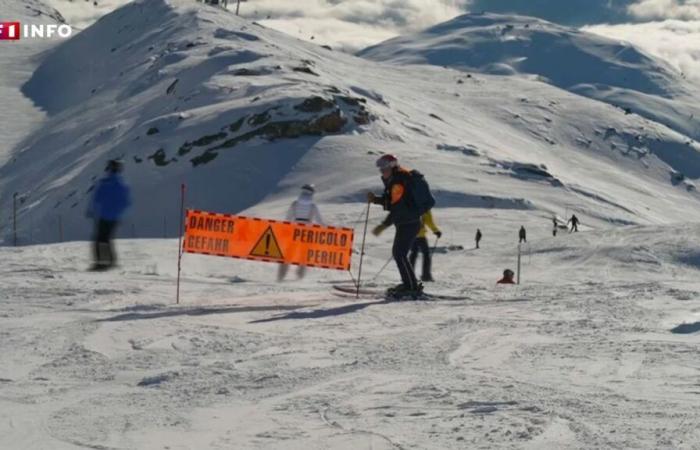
pixel 371 197
pixel 378 230
pixel 438 233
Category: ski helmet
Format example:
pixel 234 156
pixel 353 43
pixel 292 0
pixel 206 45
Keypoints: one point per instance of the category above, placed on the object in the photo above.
pixel 387 161
pixel 310 188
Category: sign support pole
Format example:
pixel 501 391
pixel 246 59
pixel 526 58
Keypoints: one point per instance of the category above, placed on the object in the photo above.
pixel 179 246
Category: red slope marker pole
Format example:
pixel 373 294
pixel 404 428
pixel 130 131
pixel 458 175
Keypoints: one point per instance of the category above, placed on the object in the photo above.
pixel 179 246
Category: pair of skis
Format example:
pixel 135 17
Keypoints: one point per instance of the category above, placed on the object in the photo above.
pixel 348 291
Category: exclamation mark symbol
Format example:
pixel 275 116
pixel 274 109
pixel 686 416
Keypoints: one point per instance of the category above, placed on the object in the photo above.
pixel 267 245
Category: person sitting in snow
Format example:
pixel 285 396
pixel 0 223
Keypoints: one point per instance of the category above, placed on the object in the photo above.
pixel 507 277
pixel 303 210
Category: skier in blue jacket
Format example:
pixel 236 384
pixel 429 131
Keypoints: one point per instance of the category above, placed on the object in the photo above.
pixel 111 199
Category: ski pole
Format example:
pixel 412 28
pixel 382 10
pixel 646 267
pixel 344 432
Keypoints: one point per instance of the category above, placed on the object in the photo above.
pixel 362 251
pixel 437 238
pixel 383 267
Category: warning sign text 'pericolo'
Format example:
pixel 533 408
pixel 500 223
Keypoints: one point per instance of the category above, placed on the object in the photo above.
pixel 268 240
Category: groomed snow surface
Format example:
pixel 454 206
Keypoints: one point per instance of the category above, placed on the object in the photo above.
pixel 597 349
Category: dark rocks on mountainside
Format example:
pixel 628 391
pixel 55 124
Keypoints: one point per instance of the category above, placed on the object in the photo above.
pixel 159 158
pixel 314 104
pixel 171 88
pixel 305 70
pixel 152 131
pixel 332 122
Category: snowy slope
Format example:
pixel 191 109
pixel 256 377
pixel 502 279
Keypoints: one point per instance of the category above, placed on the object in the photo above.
pixel 598 349
pixel 19 59
pixel 184 92
pixel 584 63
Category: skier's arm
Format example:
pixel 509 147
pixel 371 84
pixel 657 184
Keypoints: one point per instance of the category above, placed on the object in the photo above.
pixel 290 212
pixel 430 222
pixel 316 215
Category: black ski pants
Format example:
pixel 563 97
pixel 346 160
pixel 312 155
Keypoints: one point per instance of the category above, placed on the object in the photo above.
pixel 103 249
pixel 421 245
pixel 403 241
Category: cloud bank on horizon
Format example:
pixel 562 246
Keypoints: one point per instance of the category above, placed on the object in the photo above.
pixel 669 29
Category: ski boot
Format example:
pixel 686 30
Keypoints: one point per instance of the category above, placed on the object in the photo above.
pixel 392 291
pixel 405 293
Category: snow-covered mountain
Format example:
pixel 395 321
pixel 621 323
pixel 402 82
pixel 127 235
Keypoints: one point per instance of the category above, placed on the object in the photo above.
pixel 569 12
pixel 185 92
pixel 584 63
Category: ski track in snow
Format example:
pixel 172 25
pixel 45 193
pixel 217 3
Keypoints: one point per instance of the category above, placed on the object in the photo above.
pixel 586 360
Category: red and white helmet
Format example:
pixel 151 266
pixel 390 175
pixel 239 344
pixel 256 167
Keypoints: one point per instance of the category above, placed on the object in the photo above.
pixel 387 162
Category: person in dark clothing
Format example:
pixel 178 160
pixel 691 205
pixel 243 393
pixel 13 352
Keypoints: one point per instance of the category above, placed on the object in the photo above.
pixel 554 226
pixel 478 237
pixel 111 199
pixel 507 277
pixel 522 235
pixel 421 245
pixel 574 224
pixel 407 197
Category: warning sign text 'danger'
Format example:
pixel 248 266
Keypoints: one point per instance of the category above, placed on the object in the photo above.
pixel 268 240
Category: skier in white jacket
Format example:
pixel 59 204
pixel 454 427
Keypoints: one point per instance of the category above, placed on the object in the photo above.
pixel 303 210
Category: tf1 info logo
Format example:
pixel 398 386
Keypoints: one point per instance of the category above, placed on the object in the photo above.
pixel 13 31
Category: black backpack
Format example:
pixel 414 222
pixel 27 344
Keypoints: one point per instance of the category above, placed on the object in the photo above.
pixel 423 199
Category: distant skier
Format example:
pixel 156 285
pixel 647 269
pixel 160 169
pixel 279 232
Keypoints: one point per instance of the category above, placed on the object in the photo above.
pixel 421 245
pixel 507 277
pixel 554 226
pixel 522 235
pixel 112 197
pixel 574 224
pixel 478 237
pixel 303 210
pixel 407 197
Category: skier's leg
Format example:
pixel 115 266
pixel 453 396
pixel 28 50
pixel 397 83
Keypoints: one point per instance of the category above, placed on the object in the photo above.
pixel 111 255
pixel 403 241
pixel 425 250
pixel 282 272
pixel 413 256
pixel 96 245
pixel 102 244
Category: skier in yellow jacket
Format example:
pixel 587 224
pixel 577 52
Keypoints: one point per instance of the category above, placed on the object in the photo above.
pixel 421 245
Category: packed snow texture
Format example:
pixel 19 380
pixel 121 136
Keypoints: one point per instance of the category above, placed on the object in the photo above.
pixel 596 349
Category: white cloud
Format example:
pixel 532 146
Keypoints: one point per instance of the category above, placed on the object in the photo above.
pixel 666 9
pixel 676 41
pixel 350 24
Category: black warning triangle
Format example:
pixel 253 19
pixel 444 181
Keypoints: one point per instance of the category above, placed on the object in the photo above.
pixel 267 246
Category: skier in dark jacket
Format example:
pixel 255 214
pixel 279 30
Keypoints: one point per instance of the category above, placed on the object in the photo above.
pixel 522 235
pixel 111 199
pixel 554 225
pixel 574 224
pixel 478 237
pixel 407 197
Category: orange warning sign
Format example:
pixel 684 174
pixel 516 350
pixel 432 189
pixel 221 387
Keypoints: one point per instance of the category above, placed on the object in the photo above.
pixel 268 240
